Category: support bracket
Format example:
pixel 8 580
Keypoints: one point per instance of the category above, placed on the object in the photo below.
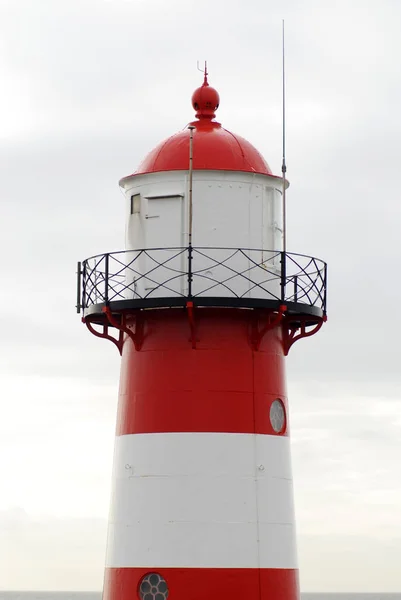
pixel 105 334
pixel 273 320
pixel 137 337
pixel 120 324
pixel 294 331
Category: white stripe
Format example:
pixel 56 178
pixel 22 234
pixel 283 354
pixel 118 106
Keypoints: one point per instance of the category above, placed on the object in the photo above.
pixel 202 500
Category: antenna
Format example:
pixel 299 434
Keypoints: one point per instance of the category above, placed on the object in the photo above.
pixel 204 71
pixel 284 166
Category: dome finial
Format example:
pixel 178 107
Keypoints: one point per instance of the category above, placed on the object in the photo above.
pixel 205 100
pixel 205 82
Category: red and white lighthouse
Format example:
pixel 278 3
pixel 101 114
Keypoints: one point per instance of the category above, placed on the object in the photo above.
pixel 203 306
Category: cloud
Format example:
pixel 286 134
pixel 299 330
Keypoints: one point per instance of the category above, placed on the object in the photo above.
pixel 75 561
pixel 90 88
pixel 342 563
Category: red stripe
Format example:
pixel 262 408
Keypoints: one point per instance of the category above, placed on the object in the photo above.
pixel 210 584
pixel 221 386
pixel 213 584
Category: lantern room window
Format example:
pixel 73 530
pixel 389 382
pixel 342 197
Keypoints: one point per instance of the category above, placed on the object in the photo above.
pixel 135 204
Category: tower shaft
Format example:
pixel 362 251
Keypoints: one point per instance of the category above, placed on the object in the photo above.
pixel 202 486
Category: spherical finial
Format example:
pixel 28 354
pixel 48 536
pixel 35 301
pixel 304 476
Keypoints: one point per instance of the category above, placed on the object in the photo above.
pixel 205 100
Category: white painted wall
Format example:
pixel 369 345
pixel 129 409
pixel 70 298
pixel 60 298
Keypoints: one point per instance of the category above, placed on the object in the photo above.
pixel 230 210
pixel 202 500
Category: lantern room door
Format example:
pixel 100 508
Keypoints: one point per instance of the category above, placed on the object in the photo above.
pixel 164 261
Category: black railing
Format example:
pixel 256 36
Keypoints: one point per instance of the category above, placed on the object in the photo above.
pixel 208 276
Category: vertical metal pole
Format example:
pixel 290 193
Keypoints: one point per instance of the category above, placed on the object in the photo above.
pixel 190 208
pixel 190 205
pixel 295 288
pixel 325 290
pixel 284 166
pixel 79 273
pixel 283 276
pixel 106 279
pixel 84 293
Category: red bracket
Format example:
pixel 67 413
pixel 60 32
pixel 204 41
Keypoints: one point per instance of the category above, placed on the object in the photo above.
pixel 273 320
pixel 137 337
pixel 105 334
pixel 191 321
pixel 290 335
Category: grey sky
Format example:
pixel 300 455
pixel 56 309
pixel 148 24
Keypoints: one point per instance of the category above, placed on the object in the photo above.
pixel 88 88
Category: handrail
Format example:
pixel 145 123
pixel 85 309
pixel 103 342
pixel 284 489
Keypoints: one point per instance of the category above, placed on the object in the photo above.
pixel 245 274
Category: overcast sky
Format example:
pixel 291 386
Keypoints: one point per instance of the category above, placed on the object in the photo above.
pixel 88 87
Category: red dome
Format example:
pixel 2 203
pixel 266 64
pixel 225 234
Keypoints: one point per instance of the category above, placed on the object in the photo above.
pixel 214 148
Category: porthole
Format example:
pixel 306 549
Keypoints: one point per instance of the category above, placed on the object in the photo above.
pixel 153 587
pixel 277 416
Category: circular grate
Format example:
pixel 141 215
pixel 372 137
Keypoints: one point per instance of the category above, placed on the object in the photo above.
pixel 277 416
pixel 153 587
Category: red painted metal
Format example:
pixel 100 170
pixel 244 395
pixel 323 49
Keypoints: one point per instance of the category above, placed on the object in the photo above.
pixel 104 334
pixel 135 333
pixel 222 386
pixel 205 100
pixel 213 584
pixel 292 332
pixel 293 327
pixel 215 148
pixel 271 321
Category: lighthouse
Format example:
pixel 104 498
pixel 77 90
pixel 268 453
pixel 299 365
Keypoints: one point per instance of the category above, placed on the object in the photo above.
pixel 203 305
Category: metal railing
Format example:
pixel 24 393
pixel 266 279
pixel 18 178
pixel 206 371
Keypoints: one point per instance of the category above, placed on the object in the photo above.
pixel 235 276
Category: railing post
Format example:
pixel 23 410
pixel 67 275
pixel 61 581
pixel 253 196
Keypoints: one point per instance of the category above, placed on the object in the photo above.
pixel 190 271
pixel 283 276
pixel 324 290
pixel 84 293
pixel 79 273
pixel 295 288
pixel 106 279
